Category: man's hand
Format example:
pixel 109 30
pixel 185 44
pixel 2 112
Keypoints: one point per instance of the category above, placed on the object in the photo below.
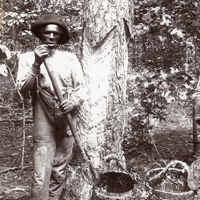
pixel 67 105
pixel 41 52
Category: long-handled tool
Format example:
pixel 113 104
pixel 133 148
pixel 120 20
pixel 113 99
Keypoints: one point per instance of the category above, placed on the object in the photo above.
pixel 70 122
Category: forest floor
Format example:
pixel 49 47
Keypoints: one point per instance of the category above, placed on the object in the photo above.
pixel 172 141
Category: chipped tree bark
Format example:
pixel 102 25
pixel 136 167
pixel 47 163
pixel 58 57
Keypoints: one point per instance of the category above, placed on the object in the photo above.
pixel 102 117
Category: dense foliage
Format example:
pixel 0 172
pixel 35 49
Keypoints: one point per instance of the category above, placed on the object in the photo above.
pixel 164 57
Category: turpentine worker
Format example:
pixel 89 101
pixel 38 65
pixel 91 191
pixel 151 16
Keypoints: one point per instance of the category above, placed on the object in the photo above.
pixel 52 138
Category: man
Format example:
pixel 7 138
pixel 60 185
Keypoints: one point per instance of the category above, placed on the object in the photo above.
pixel 52 138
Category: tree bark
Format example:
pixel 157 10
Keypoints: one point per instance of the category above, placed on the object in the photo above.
pixel 1 17
pixel 102 117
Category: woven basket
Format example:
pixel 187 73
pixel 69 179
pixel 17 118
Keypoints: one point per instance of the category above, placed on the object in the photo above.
pixel 173 186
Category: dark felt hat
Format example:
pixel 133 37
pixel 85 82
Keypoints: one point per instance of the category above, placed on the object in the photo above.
pixel 51 19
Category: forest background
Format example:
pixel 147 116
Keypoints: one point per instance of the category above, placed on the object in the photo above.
pixel 162 77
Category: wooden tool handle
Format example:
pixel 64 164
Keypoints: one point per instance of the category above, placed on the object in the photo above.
pixel 69 118
pixel 60 98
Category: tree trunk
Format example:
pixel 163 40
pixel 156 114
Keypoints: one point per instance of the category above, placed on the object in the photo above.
pixel 1 17
pixel 102 117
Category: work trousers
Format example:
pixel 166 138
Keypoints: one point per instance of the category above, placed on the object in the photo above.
pixel 53 145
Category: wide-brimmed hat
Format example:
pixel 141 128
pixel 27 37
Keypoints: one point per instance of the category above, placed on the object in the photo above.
pixel 51 19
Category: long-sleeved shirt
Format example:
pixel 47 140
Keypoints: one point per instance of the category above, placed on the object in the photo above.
pixel 66 69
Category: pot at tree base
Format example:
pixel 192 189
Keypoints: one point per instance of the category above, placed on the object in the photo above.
pixel 114 185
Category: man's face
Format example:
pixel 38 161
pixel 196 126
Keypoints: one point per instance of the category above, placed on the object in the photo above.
pixel 50 35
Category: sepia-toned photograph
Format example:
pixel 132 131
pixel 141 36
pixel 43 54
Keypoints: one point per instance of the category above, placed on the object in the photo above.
pixel 100 100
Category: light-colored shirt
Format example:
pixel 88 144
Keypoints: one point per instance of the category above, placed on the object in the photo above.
pixel 66 69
